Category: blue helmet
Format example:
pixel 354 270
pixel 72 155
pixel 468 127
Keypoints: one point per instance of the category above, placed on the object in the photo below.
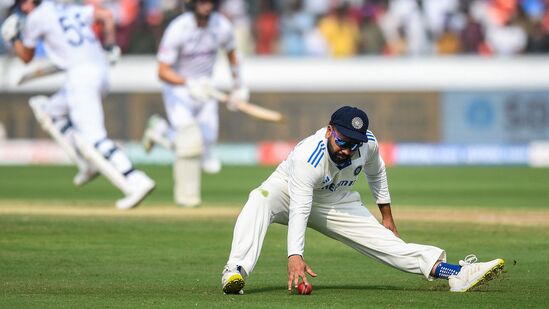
pixel 17 5
pixel 190 4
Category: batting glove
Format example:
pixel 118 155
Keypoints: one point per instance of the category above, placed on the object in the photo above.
pixel 239 94
pixel 11 28
pixel 113 53
pixel 200 89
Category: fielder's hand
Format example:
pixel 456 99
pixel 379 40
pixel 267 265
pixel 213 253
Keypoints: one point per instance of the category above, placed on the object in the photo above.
pixel 390 224
pixel 113 53
pixel 297 268
pixel 11 28
pixel 239 94
pixel 200 89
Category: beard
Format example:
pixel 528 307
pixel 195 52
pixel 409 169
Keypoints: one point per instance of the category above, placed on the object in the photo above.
pixel 203 16
pixel 337 156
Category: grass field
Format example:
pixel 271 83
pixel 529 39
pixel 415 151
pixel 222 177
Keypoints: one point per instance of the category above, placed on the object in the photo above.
pixel 67 247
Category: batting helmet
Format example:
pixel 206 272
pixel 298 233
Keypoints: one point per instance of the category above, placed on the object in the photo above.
pixel 190 4
pixel 17 5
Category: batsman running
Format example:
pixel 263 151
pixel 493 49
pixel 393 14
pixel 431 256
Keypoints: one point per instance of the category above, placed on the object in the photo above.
pixel 73 116
pixel 313 188
pixel 186 58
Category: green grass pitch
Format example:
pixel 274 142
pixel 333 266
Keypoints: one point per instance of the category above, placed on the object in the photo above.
pixel 124 261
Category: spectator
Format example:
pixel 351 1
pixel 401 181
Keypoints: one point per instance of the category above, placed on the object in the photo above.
pixel 438 15
pixel 372 41
pixel 315 43
pixel 472 34
pixel 533 8
pixel 317 8
pixel 146 30
pixel 404 23
pixel 538 40
pixel 266 29
pixel 293 26
pixel 399 45
pixel 545 18
pixel 501 11
pixel 448 42
pixel 237 12
pixel 340 31
pixel 508 39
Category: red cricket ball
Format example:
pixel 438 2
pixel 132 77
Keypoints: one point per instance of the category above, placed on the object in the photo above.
pixel 304 289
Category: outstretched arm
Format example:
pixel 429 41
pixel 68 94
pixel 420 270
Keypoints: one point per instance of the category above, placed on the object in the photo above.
pixel 300 188
pixel 377 180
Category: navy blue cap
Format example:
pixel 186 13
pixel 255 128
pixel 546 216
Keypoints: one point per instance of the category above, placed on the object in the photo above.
pixel 352 122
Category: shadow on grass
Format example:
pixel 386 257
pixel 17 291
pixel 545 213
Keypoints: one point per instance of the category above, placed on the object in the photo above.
pixel 347 287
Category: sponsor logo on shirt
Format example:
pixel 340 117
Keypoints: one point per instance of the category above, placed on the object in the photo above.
pixel 342 183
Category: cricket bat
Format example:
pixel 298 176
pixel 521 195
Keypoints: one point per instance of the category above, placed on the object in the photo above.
pixel 38 72
pixel 251 109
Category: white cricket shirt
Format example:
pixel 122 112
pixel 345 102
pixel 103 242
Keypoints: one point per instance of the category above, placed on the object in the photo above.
pixel 192 50
pixel 313 178
pixel 66 33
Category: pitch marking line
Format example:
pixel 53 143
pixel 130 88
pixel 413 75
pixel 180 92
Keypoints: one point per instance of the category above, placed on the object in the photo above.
pixel 532 217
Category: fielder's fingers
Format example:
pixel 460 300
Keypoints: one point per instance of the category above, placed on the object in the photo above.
pixel 290 279
pixel 310 271
pixel 296 279
pixel 304 279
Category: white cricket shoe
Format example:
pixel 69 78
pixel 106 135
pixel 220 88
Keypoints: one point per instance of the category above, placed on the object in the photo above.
pixel 473 274
pixel 232 280
pixel 85 175
pixel 211 165
pixel 154 132
pixel 141 185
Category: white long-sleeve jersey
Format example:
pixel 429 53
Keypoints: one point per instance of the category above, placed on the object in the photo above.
pixel 66 33
pixel 312 178
pixel 192 50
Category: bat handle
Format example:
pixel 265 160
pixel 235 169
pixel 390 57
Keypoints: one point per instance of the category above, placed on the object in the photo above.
pixel 218 95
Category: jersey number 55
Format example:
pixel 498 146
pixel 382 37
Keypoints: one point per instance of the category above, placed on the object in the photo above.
pixel 76 30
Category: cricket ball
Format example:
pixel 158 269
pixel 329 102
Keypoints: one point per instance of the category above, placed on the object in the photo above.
pixel 303 289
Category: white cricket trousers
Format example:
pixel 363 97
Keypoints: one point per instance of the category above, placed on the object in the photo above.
pixel 350 223
pixel 80 99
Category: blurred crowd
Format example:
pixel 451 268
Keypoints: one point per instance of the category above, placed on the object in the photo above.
pixel 345 28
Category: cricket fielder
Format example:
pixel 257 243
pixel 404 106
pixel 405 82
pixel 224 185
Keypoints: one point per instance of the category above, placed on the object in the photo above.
pixel 186 58
pixel 74 115
pixel 313 187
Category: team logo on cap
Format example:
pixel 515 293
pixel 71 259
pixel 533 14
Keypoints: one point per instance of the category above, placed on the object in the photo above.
pixel 357 123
